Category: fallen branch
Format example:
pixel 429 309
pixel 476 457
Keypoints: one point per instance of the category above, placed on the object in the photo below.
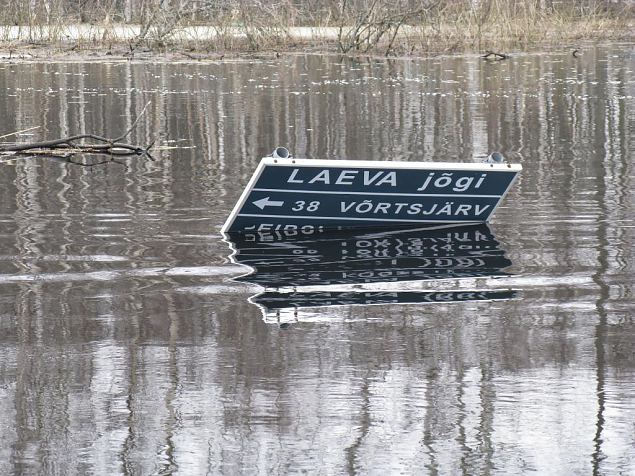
pixel 67 146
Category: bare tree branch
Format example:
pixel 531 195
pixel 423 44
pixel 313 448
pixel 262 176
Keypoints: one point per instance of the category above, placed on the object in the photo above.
pixel 66 147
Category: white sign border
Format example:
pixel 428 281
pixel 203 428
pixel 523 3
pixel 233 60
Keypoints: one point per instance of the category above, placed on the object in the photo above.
pixel 368 164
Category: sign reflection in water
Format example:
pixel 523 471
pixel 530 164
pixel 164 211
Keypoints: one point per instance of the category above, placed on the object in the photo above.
pixel 365 268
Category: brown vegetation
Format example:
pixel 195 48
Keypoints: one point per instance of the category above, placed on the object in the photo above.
pixel 348 26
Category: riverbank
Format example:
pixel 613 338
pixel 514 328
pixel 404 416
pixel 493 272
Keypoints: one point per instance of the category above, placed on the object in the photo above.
pixel 209 42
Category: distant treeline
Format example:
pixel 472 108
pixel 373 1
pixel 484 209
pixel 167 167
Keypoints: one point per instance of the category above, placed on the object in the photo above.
pixel 384 26
pixel 294 12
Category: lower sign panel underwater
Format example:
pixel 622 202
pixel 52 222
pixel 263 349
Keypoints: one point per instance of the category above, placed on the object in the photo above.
pixel 312 269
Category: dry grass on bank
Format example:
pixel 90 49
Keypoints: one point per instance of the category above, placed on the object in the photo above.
pixel 378 27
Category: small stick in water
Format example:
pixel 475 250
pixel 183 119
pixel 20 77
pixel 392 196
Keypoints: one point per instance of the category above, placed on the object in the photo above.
pixel 19 132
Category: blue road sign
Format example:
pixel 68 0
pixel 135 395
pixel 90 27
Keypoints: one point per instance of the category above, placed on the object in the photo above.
pixel 339 194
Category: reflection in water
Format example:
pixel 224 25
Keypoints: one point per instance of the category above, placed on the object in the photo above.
pixel 308 257
pixel 126 347
pixel 272 303
pixel 438 252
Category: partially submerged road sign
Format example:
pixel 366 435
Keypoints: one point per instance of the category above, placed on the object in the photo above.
pixel 287 193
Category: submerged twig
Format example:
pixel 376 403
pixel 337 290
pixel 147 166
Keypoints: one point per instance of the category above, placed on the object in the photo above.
pixel 134 124
pixel 19 132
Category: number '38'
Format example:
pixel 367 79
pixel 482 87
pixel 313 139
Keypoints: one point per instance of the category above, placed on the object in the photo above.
pixel 301 205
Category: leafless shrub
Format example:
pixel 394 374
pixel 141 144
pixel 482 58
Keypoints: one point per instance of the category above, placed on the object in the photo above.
pixel 363 26
pixel 499 24
pixel 356 26
pixel 265 25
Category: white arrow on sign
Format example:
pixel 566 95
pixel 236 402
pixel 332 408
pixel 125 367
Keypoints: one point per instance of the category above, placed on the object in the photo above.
pixel 265 202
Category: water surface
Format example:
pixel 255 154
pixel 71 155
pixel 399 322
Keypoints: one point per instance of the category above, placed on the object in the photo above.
pixel 127 347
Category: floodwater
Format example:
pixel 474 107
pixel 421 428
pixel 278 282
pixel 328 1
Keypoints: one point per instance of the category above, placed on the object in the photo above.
pixel 130 342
